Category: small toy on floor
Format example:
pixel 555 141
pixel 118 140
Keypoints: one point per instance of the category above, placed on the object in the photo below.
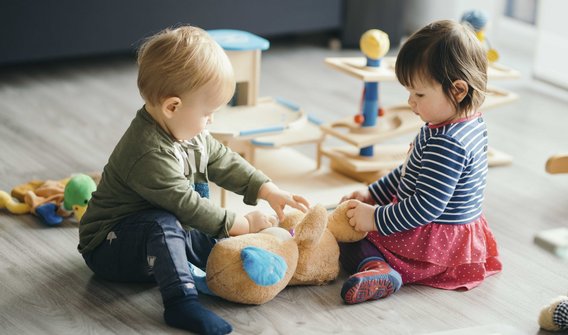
pixel 554 317
pixel 51 200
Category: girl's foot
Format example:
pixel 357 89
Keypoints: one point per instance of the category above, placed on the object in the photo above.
pixel 375 280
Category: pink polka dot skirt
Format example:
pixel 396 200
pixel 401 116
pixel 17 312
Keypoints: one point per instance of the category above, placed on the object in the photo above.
pixel 441 255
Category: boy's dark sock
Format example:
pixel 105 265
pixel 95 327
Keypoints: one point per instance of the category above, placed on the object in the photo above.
pixel 375 279
pixel 187 313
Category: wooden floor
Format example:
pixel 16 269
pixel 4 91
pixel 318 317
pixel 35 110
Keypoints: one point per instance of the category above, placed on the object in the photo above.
pixel 64 118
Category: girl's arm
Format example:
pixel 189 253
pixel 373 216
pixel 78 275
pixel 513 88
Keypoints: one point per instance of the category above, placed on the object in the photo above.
pixel 442 163
pixel 385 188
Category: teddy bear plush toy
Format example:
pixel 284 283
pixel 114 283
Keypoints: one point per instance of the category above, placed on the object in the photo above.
pixel 303 250
pixel 554 316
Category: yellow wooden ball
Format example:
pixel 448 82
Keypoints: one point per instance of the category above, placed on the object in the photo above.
pixel 492 55
pixel 374 43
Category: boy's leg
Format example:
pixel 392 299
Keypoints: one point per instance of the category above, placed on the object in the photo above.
pixel 373 278
pixel 153 245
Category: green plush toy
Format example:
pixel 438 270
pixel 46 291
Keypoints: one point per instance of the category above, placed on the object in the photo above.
pixel 78 192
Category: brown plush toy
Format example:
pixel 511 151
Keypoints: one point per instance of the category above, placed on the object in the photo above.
pixel 254 268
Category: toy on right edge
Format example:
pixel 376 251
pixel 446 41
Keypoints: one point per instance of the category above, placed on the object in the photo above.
pixel 554 317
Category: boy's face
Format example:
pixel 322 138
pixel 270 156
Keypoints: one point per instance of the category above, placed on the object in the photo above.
pixel 194 113
pixel 428 101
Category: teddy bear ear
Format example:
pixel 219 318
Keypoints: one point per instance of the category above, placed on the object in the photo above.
pixel 309 231
pixel 263 267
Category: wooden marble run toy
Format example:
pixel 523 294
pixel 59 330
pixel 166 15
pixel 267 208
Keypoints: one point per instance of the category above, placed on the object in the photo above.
pixel 364 159
pixel 478 21
pixel 252 122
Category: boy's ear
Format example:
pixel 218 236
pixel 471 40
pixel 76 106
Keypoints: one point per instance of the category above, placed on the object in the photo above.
pixel 460 89
pixel 170 106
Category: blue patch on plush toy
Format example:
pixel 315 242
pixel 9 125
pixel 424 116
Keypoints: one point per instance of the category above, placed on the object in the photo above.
pixel 48 214
pixel 265 268
pixel 202 189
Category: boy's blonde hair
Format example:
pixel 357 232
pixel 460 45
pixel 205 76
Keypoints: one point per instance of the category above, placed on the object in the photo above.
pixel 445 51
pixel 179 60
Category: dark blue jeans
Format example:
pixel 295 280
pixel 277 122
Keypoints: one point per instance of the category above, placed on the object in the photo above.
pixel 152 246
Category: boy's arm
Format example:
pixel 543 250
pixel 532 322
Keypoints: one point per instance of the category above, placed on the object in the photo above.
pixel 158 178
pixel 232 172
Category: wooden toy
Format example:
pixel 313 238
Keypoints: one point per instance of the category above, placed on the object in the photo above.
pixel 365 131
pixel 478 21
pixel 244 50
pixel 252 122
pixel 557 164
pixel 272 123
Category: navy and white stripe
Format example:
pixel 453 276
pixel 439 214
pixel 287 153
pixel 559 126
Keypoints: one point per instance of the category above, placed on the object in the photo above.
pixel 443 180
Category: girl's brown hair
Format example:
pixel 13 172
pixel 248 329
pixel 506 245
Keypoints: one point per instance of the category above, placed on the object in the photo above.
pixel 445 51
pixel 178 60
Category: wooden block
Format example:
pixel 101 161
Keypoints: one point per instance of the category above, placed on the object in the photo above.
pixel 346 160
pixel 557 164
pixel 363 177
pixel 356 67
pixel 497 97
pixel 498 158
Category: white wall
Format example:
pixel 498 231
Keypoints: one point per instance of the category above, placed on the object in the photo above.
pixel 552 42
pixel 418 13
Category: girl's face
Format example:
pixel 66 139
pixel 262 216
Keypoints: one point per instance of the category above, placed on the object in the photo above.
pixel 428 101
pixel 194 113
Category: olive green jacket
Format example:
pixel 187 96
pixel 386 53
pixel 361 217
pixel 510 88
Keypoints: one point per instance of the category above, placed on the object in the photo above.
pixel 148 170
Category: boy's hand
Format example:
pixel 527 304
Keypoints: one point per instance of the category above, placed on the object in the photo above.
pixel 278 199
pixel 361 195
pixel 361 216
pixel 258 221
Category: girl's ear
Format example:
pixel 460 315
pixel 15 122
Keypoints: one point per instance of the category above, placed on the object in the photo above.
pixel 459 90
pixel 170 106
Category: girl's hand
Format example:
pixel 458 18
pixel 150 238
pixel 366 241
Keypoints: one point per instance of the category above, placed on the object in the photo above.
pixel 361 195
pixel 278 199
pixel 258 221
pixel 361 216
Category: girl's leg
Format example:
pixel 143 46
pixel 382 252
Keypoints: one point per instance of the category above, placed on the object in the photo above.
pixel 372 277
pixel 152 245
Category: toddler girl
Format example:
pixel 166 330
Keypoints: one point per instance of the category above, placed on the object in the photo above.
pixel 425 218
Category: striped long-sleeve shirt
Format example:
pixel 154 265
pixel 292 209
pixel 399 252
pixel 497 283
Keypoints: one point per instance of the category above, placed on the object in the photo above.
pixel 442 181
